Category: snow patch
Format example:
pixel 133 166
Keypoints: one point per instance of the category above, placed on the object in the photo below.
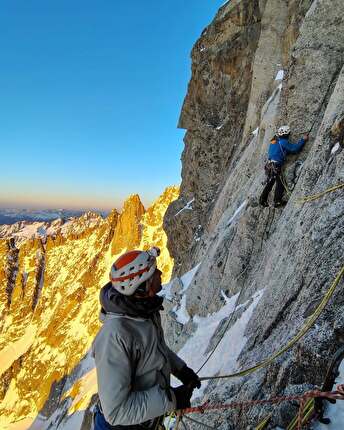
pixel 185 282
pixel 272 97
pixel 182 315
pixel 41 231
pixel 255 132
pixel 187 278
pixel 280 75
pixel 166 291
pixel 237 212
pixel 312 8
pixel 226 299
pixel 335 148
pixel 181 312
pixel 225 356
pixel 188 206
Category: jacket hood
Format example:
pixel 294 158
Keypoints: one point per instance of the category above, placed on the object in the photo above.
pixel 116 303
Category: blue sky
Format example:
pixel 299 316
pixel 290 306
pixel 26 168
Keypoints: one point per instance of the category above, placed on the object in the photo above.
pixel 90 98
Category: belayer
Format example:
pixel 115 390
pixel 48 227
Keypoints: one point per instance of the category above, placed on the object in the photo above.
pixel 278 149
pixel 133 362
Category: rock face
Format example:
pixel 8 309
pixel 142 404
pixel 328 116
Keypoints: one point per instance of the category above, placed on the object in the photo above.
pixel 258 65
pixel 49 289
pixel 128 230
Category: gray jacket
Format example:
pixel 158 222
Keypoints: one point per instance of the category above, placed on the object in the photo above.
pixel 134 365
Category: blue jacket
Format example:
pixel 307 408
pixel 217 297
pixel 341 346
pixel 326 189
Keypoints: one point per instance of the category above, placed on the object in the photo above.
pixel 281 146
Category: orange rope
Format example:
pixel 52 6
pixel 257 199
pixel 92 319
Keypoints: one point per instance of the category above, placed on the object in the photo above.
pixel 336 395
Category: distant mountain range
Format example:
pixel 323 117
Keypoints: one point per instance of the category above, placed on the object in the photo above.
pixel 11 216
pixel 50 276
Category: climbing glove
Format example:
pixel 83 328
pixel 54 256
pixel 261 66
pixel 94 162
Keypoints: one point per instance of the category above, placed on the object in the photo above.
pixel 183 395
pixel 189 377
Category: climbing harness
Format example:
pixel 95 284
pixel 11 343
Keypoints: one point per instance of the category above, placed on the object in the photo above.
pixel 272 169
pixel 312 197
pixel 311 320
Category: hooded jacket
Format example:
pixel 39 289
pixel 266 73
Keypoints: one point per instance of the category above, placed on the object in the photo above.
pixel 281 146
pixel 133 362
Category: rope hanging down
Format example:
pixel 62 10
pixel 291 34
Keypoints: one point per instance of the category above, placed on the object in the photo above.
pixel 311 320
pixel 285 184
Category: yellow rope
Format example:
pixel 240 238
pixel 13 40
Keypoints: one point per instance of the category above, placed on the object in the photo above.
pixel 307 412
pixel 284 183
pixel 317 196
pixel 263 423
pixel 311 320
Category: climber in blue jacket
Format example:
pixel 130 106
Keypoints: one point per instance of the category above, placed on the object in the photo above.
pixel 278 149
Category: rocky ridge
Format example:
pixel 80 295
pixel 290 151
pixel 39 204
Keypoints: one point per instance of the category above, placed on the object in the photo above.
pixel 258 65
pixel 49 288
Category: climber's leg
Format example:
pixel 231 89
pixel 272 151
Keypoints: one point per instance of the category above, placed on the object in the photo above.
pixel 279 191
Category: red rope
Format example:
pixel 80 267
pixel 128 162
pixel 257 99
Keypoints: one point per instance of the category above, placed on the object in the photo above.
pixel 336 395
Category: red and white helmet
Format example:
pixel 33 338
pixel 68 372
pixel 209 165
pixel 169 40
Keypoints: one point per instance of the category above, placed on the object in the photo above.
pixel 284 130
pixel 132 269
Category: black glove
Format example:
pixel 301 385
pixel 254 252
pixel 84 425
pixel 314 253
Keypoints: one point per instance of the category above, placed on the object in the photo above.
pixel 183 395
pixel 189 377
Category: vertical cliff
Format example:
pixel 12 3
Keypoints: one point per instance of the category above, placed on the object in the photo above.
pixel 258 65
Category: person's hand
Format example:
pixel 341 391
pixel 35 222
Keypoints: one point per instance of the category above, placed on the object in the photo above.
pixel 306 137
pixel 188 377
pixel 183 395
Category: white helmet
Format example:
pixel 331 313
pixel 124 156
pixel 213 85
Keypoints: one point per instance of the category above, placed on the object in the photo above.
pixel 133 268
pixel 284 130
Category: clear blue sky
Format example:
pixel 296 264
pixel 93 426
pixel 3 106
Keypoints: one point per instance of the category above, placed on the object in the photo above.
pixel 91 93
